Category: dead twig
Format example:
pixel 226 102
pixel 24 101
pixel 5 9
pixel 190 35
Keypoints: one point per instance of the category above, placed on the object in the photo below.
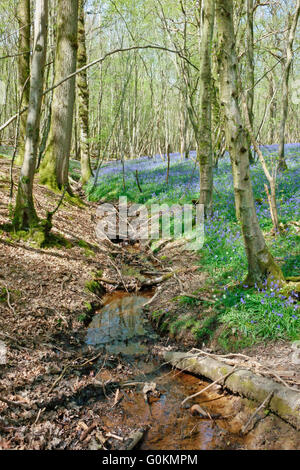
pixel 20 404
pixel 88 431
pixel 224 377
pixel 114 436
pixel 261 407
pixel 8 301
pixel 152 298
pixel 68 366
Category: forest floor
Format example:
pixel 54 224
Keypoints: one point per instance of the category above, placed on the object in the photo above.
pixel 54 389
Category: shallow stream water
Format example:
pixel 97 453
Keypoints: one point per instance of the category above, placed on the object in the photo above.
pixel 121 328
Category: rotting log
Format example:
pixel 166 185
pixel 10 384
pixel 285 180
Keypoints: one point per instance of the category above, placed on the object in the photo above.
pixel 284 402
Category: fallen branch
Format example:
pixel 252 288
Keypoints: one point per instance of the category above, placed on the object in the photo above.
pixel 152 298
pixel 224 377
pixel 266 369
pixel 157 280
pixel 108 281
pixel 114 436
pixel 73 365
pixel 243 381
pixel 8 301
pixel 120 274
pixel 261 407
pixel 16 403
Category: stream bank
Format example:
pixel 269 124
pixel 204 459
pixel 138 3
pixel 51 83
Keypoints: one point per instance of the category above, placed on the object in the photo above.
pixel 150 400
pixel 62 393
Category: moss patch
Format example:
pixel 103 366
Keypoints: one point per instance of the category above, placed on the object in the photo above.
pixel 95 287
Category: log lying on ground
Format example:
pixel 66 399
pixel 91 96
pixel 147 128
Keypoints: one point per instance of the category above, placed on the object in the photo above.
pixel 284 402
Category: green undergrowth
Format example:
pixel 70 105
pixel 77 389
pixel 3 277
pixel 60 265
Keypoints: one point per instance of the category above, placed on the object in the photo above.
pixel 88 248
pixel 37 238
pixel 3 295
pixel 186 316
pixel 251 316
pixel 74 170
pixel 94 285
pixel 263 314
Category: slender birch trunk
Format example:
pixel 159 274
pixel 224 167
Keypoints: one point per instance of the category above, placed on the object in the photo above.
pixel 24 20
pixel 273 107
pixel 83 99
pixel 261 264
pixel 55 165
pixel 205 151
pixel 25 215
pixel 285 85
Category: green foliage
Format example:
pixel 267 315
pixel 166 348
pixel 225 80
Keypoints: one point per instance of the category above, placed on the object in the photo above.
pixel 95 287
pixel 87 247
pixel 183 299
pixel 3 295
pixel 258 315
pixel 74 169
pixel 82 317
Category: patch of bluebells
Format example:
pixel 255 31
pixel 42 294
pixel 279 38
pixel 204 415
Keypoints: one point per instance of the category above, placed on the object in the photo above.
pixel 261 313
pixel 183 187
pixel 223 252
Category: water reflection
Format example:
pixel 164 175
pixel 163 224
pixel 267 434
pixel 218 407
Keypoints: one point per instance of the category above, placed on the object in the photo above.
pixel 119 327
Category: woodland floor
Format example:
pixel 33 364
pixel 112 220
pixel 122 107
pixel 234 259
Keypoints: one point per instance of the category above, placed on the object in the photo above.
pixel 54 389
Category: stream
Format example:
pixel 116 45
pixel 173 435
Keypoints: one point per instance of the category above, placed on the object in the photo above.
pixel 121 328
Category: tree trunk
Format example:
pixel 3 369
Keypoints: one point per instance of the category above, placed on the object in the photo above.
pixel 25 215
pixel 205 151
pixel 261 264
pixel 83 99
pixel 285 85
pixel 273 107
pixel 250 66
pixel 55 166
pixel 24 20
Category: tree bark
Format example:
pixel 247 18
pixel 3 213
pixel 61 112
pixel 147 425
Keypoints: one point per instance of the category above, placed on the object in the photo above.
pixel 25 215
pixel 273 108
pixel 285 85
pixel 55 165
pixel 83 99
pixel 261 264
pixel 205 151
pixel 24 20
pixel 250 66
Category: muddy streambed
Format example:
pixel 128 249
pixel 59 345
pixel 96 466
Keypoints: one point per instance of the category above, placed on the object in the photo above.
pixel 120 328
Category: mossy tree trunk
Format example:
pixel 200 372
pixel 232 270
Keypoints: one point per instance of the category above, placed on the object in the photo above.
pixel 24 20
pixel 204 138
pixel 261 264
pixel 55 165
pixel 83 99
pixel 25 215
